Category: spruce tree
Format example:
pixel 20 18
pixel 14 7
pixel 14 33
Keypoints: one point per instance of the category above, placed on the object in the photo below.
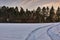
pixel 58 13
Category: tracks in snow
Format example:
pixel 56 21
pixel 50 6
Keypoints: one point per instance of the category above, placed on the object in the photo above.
pixel 30 37
pixel 53 35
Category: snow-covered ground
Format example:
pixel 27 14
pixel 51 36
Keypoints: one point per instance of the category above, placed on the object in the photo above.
pixel 42 31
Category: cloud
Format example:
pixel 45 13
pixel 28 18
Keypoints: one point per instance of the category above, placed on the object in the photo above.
pixel 55 5
pixel 28 3
pixel 41 3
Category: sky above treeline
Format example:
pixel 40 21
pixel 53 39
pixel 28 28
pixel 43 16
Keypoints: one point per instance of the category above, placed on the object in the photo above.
pixel 30 4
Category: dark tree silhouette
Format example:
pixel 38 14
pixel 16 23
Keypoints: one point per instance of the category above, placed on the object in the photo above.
pixel 3 14
pixel 47 12
pixel 13 15
pixel 38 10
pixel 16 8
pixel 27 13
pixel 22 14
pixel 52 13
pixel 47 15
pixel 58 13
pixel 39 15
pixel 44 14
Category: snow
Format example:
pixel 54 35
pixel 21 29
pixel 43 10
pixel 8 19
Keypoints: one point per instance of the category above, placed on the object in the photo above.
pixel 41 31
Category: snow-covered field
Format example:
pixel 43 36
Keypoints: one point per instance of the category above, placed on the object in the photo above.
pixel 42 31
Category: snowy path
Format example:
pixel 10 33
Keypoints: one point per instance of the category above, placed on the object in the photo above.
pixel 29 31
pixel 42 33
pixel 54 32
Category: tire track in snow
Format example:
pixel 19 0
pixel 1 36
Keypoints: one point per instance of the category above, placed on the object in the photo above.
pixel 38 29
pixel 52 35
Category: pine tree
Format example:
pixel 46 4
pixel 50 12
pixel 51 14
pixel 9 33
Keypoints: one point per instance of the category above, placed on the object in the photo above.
pixel 16 11
pixel 44 14
pixel 47 12
pixel 58 13
pixel 16 8
pixel 38 14
pixel 22 12
pixel 22 15
pixel 52 14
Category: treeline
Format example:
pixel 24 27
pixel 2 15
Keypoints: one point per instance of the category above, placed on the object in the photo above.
pixel 40 15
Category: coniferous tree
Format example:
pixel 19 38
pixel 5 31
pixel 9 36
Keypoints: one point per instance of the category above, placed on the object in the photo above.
pixel 52 14
pixel 52 11
pixel 38 10
pixel 44 14
pixel 58 14
pixel 22 14
pixel 28 13
pixel 47 12
pixel 4 13
pixel 16 11
pixel 16 8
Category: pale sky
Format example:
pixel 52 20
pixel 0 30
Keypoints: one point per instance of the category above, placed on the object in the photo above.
pixel 30 4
